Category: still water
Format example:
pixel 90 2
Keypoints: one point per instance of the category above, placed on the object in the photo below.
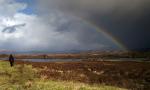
pixel 75 60
pixel 46 60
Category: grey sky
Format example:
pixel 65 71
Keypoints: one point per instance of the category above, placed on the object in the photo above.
pixel 60 25
pixel 127 20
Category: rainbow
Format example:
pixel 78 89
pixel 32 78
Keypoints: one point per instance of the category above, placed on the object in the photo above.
pixel 105 33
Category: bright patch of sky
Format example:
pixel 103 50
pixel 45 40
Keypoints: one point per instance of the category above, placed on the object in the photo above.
pixel 30 9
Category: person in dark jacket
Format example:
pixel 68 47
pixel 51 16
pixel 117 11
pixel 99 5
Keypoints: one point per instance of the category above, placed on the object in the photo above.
pixel 11 60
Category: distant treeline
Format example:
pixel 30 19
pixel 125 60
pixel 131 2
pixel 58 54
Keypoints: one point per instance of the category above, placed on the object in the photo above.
pixel 83 55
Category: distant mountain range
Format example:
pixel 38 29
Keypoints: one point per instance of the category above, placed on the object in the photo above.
pixel 3 51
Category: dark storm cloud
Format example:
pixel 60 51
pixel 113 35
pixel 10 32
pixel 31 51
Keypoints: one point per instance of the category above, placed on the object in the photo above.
pixel 11 29
pixel 127 20
pixel 86 37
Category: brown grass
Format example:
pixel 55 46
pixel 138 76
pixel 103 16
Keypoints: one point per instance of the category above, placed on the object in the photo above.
pixel 122 74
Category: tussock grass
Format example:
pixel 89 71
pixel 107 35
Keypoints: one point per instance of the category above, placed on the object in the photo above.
pixel 25 77
pixel 53 85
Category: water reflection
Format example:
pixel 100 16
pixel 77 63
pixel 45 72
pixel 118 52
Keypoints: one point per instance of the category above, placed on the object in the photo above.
pixel 46 60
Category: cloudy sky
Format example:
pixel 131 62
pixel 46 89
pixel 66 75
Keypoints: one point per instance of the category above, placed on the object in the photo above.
pixel 61 25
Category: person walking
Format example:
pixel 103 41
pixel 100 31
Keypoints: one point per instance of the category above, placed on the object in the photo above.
pixel 11 60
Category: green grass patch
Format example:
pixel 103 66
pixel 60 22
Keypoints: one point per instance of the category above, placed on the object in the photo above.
pixel 25 77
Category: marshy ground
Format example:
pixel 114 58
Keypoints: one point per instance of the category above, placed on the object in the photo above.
pixel 124 74
pixel 46 76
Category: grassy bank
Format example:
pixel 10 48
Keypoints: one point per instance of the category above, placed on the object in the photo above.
pixel 25 77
